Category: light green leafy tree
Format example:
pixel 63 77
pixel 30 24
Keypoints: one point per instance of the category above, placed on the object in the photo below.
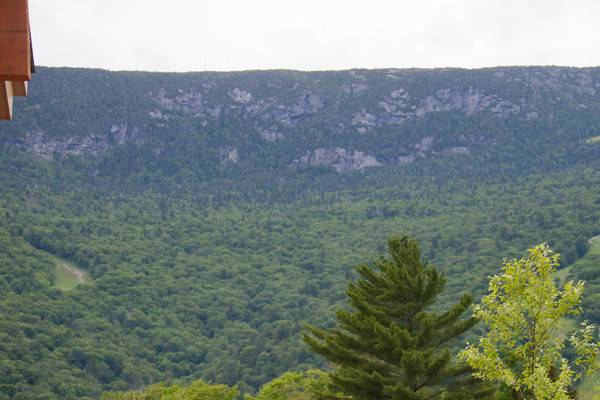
pixel 294 386
pixel 197 390
pixel 522 349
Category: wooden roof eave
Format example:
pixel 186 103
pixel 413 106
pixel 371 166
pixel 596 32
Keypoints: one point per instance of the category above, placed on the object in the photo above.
pixel 16 53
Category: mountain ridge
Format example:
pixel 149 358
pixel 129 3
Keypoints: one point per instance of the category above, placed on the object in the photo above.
pixel 217 212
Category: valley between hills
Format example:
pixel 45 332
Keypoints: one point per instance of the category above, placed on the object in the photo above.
pixel 173 227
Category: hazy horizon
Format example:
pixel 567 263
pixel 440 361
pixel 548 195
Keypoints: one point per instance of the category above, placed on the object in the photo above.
pixel 232 35
pixel 319 70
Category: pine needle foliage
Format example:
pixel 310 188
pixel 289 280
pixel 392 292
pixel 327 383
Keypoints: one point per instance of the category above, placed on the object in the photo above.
pixel 390 343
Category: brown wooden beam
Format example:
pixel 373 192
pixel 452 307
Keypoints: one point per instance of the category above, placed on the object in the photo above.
pixel 19 88
pixel 15 41
pixel 6 99
pixel 13 15
pixel 15 56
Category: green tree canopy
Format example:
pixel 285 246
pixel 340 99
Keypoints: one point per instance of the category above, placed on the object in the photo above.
pixel 197 390
pixel 293 386
pixel 391 344
pixel 522 312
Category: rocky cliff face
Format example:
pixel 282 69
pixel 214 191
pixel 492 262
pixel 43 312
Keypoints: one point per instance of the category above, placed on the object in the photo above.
pixel 46 146
pixel 348 121
pixel 341 160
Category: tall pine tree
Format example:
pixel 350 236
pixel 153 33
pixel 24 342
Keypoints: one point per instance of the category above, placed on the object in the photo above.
pixel 391 344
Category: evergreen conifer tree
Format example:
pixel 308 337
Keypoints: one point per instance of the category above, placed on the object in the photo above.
pixel 391 344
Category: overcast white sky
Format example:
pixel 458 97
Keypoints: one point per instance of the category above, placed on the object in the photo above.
pixel 198 35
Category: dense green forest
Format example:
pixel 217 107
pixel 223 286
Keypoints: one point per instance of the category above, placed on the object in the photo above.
pixel 215 213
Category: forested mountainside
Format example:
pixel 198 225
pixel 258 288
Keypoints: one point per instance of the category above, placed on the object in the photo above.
pixel 166 131
pixel 214 213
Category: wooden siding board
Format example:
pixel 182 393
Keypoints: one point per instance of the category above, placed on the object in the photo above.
pixel 13 16
pixel 6 99
pixel 15 56
pixel 15 41
pixel 19 88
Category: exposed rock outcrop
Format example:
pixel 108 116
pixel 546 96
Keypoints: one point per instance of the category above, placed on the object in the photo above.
pixel 396 107
pixel 293 108
pixel 561 81
pixel 460 150
pixel 46 146
pixel 364 121
pixel 187 101
pixel 405 160
pixel 468 101
pixel 309 104
pixel 354 88
pixel 240 96
pixel 271 134
pixel 424 144
pixel 341 160
pixel 229 154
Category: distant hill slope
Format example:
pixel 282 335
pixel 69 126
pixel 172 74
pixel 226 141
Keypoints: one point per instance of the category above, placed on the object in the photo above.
pixel 215 212
pixel 171 130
